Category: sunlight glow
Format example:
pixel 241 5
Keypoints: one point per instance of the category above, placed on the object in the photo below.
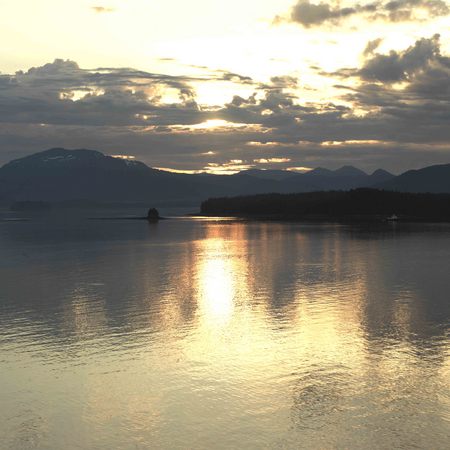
pixel 352 142
pixel 216 279
pixel 126 157
pixel 263 144
pixel 271 160
pixel 229 168
pixel 79 94
pixel 217 123
pixel 299 169
pixel 186 171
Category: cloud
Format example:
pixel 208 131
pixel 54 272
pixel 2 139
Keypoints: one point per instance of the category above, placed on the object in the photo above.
pixel 231 76
pixel 284 81
pixel 63 93
pixel 400 66
pixel 416 110
pixel 102 9
pixel 372 46
pixel 158 119
pixel 310 14
pixel 423 59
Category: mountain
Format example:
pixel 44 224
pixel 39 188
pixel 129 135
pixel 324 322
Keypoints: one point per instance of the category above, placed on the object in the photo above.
pixel 320 179
pixel 350 171
pixel 60 175
pixel 268 174
pixel 435 179
pixel 379 176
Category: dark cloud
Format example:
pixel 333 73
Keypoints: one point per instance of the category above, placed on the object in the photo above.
pixel 239 101
pixel 235 77
pixel 123 110
pixel 417 112
pixel 372 46
pixel 62 93
pixel 400 66
pixel 284 81
pixel 310 14
pixel 416 62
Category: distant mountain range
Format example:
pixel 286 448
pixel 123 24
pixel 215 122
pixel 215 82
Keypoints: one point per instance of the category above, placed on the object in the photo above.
pixel 434 179
pixel 60 175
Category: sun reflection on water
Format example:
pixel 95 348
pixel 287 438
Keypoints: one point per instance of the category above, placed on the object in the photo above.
pixel 218 274
pixel 286 327
pixel 217 288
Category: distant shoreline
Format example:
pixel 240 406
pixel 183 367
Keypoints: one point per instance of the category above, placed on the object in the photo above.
pixel 354 206
pixel 372 219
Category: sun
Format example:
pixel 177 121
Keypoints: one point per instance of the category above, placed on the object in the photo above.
pixel 216 123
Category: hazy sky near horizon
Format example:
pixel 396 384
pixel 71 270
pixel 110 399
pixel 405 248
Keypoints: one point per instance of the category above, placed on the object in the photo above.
pixel 213 86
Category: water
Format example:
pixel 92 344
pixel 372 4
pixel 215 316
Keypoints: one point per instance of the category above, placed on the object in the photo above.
pixel 200 334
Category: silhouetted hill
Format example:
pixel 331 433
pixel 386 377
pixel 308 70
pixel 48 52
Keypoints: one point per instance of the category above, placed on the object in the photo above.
pixel 379 176
pixel 320 179
pixel 357 204
pixel 59 175
pixel 430 179
pixel 60 158
pixel 349 171
pixel 268 174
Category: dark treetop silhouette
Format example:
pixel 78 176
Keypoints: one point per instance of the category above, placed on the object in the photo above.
pixel 357 204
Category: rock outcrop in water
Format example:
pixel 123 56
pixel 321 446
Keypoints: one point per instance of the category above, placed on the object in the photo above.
pixel 153 215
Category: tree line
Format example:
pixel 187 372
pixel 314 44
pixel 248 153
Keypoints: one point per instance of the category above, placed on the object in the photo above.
pixel 357 203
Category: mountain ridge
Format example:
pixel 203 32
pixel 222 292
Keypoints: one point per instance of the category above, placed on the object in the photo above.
pixel 59 174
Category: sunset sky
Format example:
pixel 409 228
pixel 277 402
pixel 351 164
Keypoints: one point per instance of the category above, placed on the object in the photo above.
pixel 213 86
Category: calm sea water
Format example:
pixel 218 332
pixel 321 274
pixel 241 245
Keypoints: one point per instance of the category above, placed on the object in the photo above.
pixel 201 334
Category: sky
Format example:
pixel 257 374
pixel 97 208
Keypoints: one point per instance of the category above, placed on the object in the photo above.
pixel 218 87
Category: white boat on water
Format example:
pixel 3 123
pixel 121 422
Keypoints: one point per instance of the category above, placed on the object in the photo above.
pixel 393 218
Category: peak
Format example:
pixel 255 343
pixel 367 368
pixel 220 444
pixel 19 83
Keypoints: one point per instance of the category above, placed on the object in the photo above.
pixel 61 153
pixel 59 158
pixel 65 152
pixel 383 172
pixel 350 171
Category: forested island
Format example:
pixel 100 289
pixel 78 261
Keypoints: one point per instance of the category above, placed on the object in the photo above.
pixel 353 205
